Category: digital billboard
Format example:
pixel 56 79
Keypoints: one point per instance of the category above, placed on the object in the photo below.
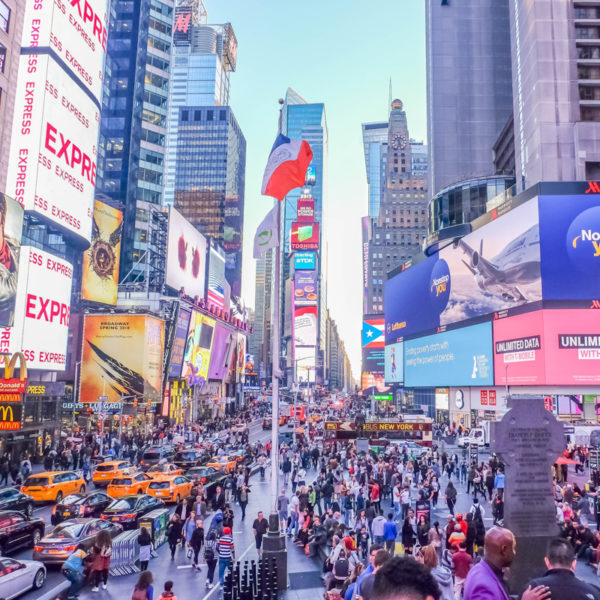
pixel 305 211
pixel 305 326
pixel 186 256
pixel 494 268
pixel 306 364
pixel 219 363
pixel 311 175
pixel 181 329
pixel 217 284
pixel 100 272
pixel 52 160
pixel 305 288
pixel 373 332
pixel 305 236
pixel 232 228
pixel 376 380
pixel 196 357
pixel 11 226
pixel 458 357
pixel 394 363
pixel 305 261
pixel 122 356
pixel 373 359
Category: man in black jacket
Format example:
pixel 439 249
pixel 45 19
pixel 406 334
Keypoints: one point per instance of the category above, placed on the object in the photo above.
pixel 560 578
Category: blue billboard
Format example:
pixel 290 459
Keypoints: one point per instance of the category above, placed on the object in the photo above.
pixel 394 363
pixel 305 261
pixel 452 358
pixel 570 244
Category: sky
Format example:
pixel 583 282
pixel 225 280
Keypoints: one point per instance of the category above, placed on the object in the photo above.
pixel 342 53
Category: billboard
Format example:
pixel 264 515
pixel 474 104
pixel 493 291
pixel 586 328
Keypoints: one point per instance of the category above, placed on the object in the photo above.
pixel 370 379
pixel 232 227
pixel 220 355
pixel 181 329
pixel 494 268
pixel 305 287
pixel 305 236
pixel 11 226
pixel 11 416
pixel 305 326
pixel 122 356
pixel 373 359
pixel 373 332
pixel 305 261
pixel 306 364
pixel 217 284
pixel 458 357
pixel 186 256
pixel 305 211
pixel 100 274
pixel 196 357
pixel 311 175
pixel 52 161
pixel 394 363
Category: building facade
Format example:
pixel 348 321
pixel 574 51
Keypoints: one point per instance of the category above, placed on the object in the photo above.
pixel 262 312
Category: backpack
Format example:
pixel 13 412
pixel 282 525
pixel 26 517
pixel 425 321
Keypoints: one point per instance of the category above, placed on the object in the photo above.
pixel 209 553
pixel 477 515
pixel 139 594
pixel 341 568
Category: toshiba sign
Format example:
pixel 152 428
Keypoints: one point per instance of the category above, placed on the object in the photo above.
pixel 43 311
pixel 52 164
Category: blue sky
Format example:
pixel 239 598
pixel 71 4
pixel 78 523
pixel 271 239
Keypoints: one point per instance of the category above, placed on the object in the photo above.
pixel 342 53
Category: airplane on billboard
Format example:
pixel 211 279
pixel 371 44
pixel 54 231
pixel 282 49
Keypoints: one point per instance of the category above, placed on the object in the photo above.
pixel 508 282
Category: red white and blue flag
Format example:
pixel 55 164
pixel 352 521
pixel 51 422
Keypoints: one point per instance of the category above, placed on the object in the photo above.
pixel 286 167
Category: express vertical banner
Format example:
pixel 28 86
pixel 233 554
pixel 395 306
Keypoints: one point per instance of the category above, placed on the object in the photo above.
pixel 11 226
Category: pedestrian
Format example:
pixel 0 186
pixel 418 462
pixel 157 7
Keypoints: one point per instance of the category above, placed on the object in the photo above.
pixel 244 491
pixel 210 557
pixel 168 592
pixel 282 508
pixel 196 541
pixel 461 563
pixel 435 538
pixel 4 471
pixel 259 527
pixel 294 516
pixel 451 494
pixel 408 536
pixel 174 533
pixel 145 543
pixel 101 552
pixel 390 533
pixel 187 530
pixel 286 467
pixel 72 569
pixel 226 553
pixel 440 573
pixel 143 588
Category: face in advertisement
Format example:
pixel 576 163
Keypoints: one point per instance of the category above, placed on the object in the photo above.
pixel 196 358
pixel 305 287
pixel 181 330
pixel 305 326
pixel 100 280
pixel 186 256
pixel 11 226
pixel 458 357
pixel 394 363
pixel 240 355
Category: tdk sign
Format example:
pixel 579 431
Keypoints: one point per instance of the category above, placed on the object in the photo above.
pixel 304 261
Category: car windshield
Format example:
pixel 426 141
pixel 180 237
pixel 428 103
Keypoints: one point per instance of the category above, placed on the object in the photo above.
pixel 105 468
pixel 185 456
pixel 72 499
pixel 125 481
pixel 37 481
pixel 72 530
pixel 151 455
pixel 159 485
pixel 123 504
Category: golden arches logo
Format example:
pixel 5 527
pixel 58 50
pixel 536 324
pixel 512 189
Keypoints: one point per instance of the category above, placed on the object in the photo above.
pixel 5 411
pixel 10 363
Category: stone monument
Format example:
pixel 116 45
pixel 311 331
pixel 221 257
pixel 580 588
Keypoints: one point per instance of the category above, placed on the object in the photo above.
pixel 529 439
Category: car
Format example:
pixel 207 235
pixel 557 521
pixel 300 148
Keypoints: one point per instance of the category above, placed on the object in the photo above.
pixel 164 469
pixel 133 483
pixel 79 505
pixel 128 509
pixel 19 576
pixel 267 423
pixel 13 499
pixel 106 471
pixel 53 486
pixel 189 457
pixel 227 464
pixel 205 475
pixel 154 454
pixel 240 457
pixel 17 530
pixel 56 546
pixel 170 488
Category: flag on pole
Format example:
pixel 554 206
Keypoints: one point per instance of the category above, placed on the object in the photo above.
pixel 286 167
pixel 267 234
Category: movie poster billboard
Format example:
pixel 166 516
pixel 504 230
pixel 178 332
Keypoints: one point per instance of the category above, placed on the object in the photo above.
pixel 494 268
pixel 305 326
pixel 196 358
pixel 181 329
pixel 394 363
pixel 100 273
pixel 186 256
pixel 11 226
pixel 122 356
pixel 305 288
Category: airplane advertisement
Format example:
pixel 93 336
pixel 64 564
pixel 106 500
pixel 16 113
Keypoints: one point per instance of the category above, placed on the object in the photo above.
pixel 494 268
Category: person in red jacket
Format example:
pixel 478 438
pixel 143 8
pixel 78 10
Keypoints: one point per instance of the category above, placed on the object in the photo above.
pixel 463 524
pixel 462 561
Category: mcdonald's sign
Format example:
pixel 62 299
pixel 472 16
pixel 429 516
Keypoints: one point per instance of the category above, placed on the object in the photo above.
pixel 11 415
pixel 11 387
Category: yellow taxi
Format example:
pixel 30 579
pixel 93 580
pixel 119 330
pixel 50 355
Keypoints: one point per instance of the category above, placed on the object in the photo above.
pixel 170 488
pixel 166 469
pixel 106 471
pixel 53 486
pixel 227 464
pixel 127 484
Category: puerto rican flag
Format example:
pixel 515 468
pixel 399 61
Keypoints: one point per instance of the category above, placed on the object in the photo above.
pixel 286 167
pixel 373 333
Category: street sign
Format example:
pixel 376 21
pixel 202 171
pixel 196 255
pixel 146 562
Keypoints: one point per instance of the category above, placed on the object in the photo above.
pixel 383 397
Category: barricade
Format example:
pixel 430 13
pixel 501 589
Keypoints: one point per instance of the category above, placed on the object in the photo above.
pixel 125 553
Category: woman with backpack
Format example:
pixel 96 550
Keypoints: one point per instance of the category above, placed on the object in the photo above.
pixel 101 552
pixel 145 543
pixel 196 541
pixel 143 588
pixel 210 556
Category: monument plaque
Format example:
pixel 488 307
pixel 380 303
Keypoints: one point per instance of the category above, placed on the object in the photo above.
pixel 529 439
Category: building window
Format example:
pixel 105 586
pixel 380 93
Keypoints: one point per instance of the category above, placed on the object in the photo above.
pixel 2 57
pixel 222 115
pixel 209 115
pixel 197 115
pixel 184 115
pixel 4 17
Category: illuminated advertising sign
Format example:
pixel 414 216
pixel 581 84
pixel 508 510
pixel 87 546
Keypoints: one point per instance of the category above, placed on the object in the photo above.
pixel 196 357
pixel 305 326
pixel 373 332
pixel 311 175
pixel 186 256
pixel 122 356
pixel 306 210
pixel 100 277
pixel 305 287
pixel 42 311
pixel 394 363
pixel 11 226
pixel 12 388
pixel 458 357
pixel 76 31
pixel 305 261
pixel 232 228
pixel 373 359
pixel 217 284
pixel 373 379
pixel 306 364
pixel 181 329
pixel 305 236
pixel 11 416
pixel 494 268
pixel 220 357
pixel 52 162
pixel 366 238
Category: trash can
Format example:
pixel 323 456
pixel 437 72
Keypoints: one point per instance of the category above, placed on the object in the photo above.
pixel 156 523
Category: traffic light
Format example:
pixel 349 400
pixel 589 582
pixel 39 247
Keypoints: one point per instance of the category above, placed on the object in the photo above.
pixel 135 403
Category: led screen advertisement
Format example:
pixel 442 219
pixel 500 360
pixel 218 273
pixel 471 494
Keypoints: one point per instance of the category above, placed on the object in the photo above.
pixel 306 364
pixel 305 210
pixel 100 274
pixel 219 365
pixel 11 226
pixel 496 267
pixel 373 359
pixel 217 284
pixel 370 379
pixel 373 332
pixel 186 256
pixel 305 288
pixel 458 357
pixel 181 329
pixel 122 356
pixel 394 363
pixel 305 236
pixel 305 261
pixel 196 357
pixel 305 326
pixel 52 161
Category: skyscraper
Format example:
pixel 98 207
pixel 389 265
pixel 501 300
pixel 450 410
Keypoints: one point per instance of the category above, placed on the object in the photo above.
pixel 375 137
pixel 262 311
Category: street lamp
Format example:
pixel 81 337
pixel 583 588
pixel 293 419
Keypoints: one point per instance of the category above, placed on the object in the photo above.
pixel 75 390
pixel 121 417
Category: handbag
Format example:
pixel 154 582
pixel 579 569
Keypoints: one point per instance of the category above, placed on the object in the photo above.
pixel 190 553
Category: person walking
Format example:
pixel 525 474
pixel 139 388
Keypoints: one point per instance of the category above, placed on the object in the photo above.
pixel 101 551
pixel 390 533
pixel 168 593
pixel 259 527
pixel 244 491
pixel 196 541
pixel 174 533
pixel 440 573
pixel 210 557
pixel 451 494
pixel 145 543
pixel 143 589
pixel 226 553
pixel 282 508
